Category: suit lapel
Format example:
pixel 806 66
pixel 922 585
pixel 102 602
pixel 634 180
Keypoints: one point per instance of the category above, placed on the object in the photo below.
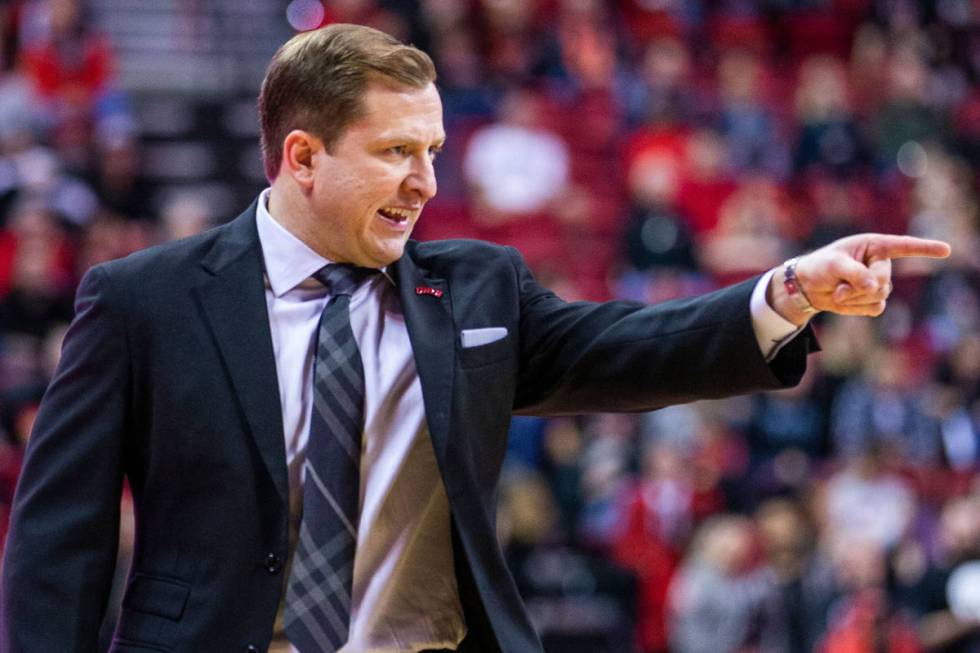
pixel 429 319
pixel 233 300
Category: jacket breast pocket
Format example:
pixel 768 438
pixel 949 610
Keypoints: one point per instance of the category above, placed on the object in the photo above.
pixel 492 352
pixel 152 609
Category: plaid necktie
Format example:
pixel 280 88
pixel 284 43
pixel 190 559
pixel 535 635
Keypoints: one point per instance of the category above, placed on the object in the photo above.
pixel 318 595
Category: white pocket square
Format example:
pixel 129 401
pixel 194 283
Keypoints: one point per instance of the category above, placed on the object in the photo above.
pixel 477 337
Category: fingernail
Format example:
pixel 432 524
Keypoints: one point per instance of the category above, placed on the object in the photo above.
pixel 868 284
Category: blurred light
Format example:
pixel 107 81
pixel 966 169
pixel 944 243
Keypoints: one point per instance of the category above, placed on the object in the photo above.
pixel 304 15
pixel 963 591
pixel 912 159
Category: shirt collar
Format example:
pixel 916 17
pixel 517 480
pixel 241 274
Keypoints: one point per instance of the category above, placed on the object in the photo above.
pixel 288 260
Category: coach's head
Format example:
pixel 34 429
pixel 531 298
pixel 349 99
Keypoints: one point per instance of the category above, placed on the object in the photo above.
pixel 351 120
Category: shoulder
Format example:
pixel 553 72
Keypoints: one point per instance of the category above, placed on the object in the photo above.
pixel 154 275
pixel 172 256
pixel 186 256
pixel 449 256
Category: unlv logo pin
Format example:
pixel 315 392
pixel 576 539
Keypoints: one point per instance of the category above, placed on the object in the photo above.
pixel 428 290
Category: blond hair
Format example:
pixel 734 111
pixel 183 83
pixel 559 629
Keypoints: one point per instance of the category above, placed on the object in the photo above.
pixel 316 82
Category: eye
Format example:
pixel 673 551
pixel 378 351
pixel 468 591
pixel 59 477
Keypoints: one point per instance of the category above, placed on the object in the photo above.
pixel 401 150
pixel 434 152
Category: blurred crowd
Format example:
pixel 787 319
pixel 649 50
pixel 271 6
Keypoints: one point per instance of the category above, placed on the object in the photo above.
pixel 646 150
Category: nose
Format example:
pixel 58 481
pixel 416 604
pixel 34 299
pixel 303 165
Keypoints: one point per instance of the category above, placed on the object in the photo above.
pixel 422 179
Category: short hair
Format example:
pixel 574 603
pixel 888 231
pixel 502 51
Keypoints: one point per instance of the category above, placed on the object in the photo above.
pixel 316 82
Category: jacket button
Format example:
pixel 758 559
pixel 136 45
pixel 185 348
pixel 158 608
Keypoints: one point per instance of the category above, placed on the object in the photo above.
pixel 273 563
pixel 251 649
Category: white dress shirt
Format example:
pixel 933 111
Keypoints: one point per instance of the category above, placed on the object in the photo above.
pixel 404 595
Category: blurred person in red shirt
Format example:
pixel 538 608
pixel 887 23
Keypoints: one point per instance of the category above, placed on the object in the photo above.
pixel 36 268
pixel 661 511
pixel 865 619
pixel 755 219
pixel 69 63
pixel 706 182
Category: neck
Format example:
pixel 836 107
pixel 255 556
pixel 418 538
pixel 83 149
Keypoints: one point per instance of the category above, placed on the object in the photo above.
pixel 290 212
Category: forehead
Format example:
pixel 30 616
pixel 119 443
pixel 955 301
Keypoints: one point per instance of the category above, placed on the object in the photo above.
pixel 400 112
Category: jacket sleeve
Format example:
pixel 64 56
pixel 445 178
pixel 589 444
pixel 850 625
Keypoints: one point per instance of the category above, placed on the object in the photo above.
pixel 64 530
pixel 624 356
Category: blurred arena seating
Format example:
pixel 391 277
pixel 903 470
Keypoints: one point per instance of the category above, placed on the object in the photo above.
pixel 630 149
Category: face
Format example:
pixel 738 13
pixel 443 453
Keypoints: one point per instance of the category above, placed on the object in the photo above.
pixel 366 194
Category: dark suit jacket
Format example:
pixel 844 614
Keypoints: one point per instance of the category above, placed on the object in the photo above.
pixel 168 378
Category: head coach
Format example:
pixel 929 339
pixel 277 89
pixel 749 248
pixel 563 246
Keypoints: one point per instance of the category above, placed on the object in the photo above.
pixel 312 409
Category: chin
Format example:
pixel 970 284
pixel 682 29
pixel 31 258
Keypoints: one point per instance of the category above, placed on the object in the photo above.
pixel 388 252
pixel 382 258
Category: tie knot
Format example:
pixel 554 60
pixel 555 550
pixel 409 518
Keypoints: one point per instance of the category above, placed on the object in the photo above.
pixel 342 278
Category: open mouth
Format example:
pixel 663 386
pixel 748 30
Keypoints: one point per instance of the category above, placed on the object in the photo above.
pixel 397 218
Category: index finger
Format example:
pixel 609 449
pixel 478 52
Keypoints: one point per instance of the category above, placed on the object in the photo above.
pixel 886 246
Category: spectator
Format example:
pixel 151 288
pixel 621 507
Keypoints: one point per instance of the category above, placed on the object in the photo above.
pixel 661 513
pixel 953 402
pixel 943 627
pixel 657 235
pixel 36 274
pixel 661 94
pixel 799 580
pixel 605 462
pixel 751 131
pixel 865 619
pixel 713 598
pixel 787 436
pixel 518 169
pixel 705 183
pixel 884 409
pixel 69 64
pixel 837 207
pixel 829 138
pixel 906 116
pixel 116 177
pixel 864 501
pixel 753 219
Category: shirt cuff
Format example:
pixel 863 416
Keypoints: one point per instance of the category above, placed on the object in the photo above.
pixel 772 330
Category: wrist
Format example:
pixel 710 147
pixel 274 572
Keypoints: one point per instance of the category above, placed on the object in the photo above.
pixel 786 295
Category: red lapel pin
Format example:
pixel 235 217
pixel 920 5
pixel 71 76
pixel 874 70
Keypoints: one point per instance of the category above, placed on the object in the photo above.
pixel 428 290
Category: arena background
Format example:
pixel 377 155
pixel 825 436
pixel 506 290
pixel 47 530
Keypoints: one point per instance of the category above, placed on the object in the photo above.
pixel 643 149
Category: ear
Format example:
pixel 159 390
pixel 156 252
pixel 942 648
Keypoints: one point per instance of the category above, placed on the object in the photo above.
pixel 298 156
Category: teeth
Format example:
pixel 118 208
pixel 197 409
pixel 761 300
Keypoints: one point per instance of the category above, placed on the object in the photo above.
pixel 405 214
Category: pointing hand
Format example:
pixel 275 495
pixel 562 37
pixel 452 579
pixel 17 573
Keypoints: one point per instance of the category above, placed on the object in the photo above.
pixel 851 276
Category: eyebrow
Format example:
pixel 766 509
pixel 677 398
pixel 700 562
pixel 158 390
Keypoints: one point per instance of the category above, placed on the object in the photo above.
pixel 410 140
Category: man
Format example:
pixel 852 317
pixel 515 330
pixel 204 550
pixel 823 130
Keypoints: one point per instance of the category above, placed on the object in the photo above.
pixel 323 442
